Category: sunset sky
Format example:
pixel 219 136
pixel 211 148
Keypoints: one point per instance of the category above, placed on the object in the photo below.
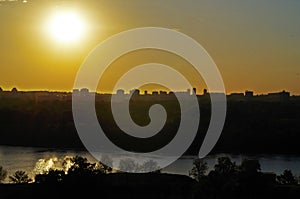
pixel 255 43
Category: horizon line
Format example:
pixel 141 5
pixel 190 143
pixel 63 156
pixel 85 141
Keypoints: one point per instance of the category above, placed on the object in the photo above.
pixel 14 89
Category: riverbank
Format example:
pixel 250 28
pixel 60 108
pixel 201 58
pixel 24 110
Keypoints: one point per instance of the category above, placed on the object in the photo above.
pixel 126 185
pixel 120 185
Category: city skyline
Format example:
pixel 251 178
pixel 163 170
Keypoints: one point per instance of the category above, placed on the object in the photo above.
pixel 189 91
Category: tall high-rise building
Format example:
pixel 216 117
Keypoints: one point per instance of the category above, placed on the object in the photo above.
pixel 194 91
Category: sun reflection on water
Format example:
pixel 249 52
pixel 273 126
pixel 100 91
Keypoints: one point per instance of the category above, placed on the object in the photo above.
pixel 44 165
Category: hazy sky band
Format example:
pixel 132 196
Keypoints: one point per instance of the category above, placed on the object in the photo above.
pixel 256 44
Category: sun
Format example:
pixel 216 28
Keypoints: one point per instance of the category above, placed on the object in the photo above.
pixel 66 27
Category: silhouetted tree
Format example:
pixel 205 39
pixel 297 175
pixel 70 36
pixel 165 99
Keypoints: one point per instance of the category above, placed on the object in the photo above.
pixel 151 166
pixel 225 166
pixel 250 179
pixel 20 177
pixel 199 169
pixel 3 174
pixel 223 179
pixel 101 168
pixel 287 178
pixel 250 166
pixel 106 159
pixel 128 165
pixel 76 169
pixel 81 165
pixel 53 176
pixel 82 171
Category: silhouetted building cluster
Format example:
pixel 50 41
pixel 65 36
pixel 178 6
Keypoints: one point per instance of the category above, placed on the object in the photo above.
pixel 47 95
pixel 249 95
pixel 281 96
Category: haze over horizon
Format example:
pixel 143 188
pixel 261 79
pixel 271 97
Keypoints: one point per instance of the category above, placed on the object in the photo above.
pixel 255 44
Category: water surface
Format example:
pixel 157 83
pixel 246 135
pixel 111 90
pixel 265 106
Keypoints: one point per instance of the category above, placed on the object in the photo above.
pixel 32 159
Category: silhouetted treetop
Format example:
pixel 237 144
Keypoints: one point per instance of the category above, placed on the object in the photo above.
pixel 250 166
pixel 199 169
pixel 225 166
pixel 20 177
pixel 3 174
pixel 287 178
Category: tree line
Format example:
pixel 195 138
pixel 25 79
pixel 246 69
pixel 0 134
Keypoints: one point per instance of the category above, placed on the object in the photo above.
pixel 226 179
pixel 250 127
pixel 229 180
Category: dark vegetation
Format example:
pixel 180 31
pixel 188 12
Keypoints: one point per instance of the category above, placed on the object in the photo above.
pixel 229 180
pixel 261 127
pixel 251 126
pixel 83 178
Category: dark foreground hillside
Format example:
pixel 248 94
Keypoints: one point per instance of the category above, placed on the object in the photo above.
pixel 119 185
pixel 144 186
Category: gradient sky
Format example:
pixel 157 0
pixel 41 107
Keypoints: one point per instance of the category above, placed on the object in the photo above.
pixel 255 43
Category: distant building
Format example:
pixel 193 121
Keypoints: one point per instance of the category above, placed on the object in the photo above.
pixel 84 91
pixel 194 91
pixel 137 91
pixel 120 96
pixel 76 91
pixel 155 93
pixel 134 91
pixel 217 96
pixel 14 90
pixel 280 96
pixel 120 92
pixel 248 93
pixel 236 96
pixel 162 92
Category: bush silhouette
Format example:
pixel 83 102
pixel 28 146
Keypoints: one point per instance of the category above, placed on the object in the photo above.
pixel 20 177
pixel 106 169
pixel 3 174
pixel 51 177
pixel 81 165
pixel 199 169
pixel 250 166
pixel 287 178
pixel 79 170
pixel 128 165
pixel 151 166
pixel 225 166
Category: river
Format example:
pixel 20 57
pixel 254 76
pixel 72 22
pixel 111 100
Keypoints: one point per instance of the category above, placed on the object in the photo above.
pixel 33 160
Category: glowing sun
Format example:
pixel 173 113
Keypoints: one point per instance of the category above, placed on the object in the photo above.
pixel 66 27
